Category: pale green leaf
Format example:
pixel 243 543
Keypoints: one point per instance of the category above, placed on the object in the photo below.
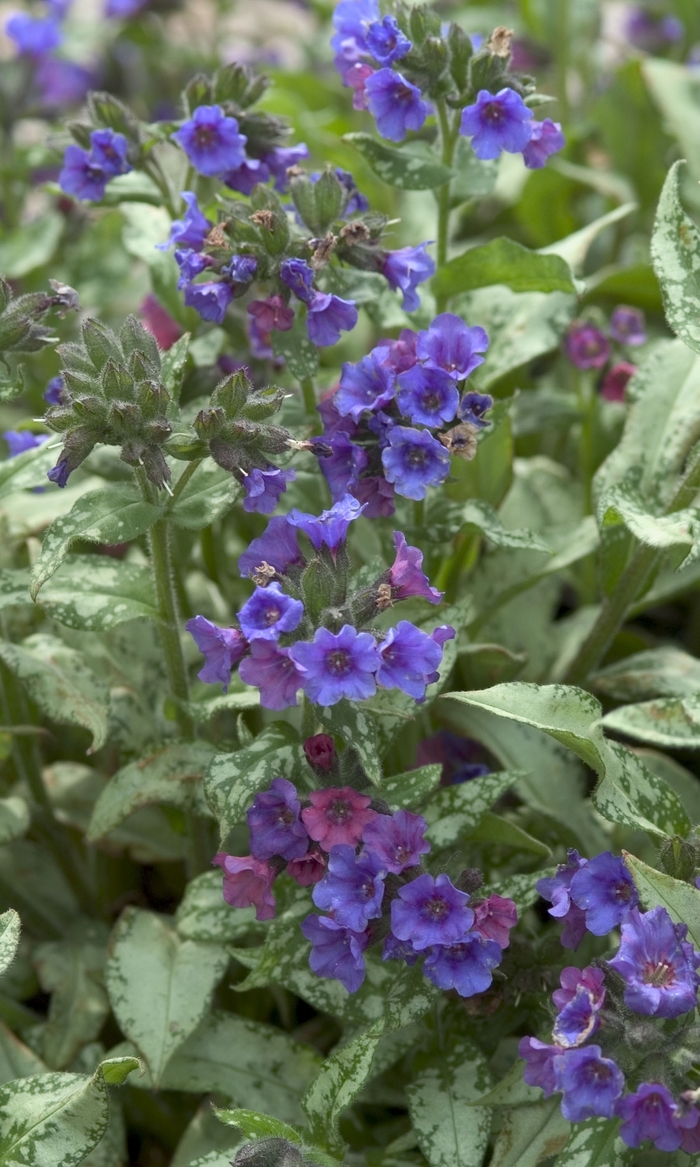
pixel 451 1133
pixel 503 261
pixel 574 248
pixel 209 494
pixel 10 927
pixel 671 722
pixel 530 1135
pixel 14 818
pixel 72 971
pixel 232 780
pixel 299 352
pixel 27 470
pixel 258 1126
pixel 658 672
pixel 675 253
pixel 203 913
pixel 596 1143
pixel 657 889
pixel 484 518
pixel 95 593
pixel 31 245
pixel 17 1060
pixel 172 366
pixel 455 811
pixel 407 169
pixel 511 1091
pixel 340 1079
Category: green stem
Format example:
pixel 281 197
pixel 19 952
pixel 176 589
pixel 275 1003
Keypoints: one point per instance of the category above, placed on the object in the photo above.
pixel 562 58
pixel 419 514
pixel 182 483
pixel 308 718
pixel 309 393
pixel 448 136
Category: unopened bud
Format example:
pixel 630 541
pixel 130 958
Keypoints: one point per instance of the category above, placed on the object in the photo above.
pixel 269 1153
pixel 320 751
pixel 679 857
pixel 461 441
pixel 469 880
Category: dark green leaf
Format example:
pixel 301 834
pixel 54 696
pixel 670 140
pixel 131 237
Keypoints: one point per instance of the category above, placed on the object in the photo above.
pixel 502 261
pixel 406 169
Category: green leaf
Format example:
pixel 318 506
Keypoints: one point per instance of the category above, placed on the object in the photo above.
pixel 10 927
pixel 172 366
pixel 503 261
pixel 209 494
pixel 60 681
pixel 455 811
pixel 160 987
pixel 31 879
pixel 657 672
pixel 14 818
pixel 531 1135
pixel 32 245
pixel 474 177
pixel 487 477
pixel 72 970
pixel 258 1126
pixel 14 588
pixel 257 1066
pixel 409 789
pixel 94 592
pixel 596 1143
pixel 299 352
pixel 521 326
pixel 117 515
pixel 171 775
pixel 451 1133
pixel 232 780
pixel 340 1079
pixel 673 88
pixel 511 1091
pixel 357 730
pixel 657 889
pixel 17 1060
pixel 625 505
pixel 675 254
pixel 671 722
pixel 51 1119
pixel 203 913
pixel 482 517
pixel 144 227
pixel 494 828
pixel 407 169
pixel 574 248
pixel 27 470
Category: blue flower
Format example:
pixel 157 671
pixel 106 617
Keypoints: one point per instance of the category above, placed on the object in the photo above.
pixel 427 396
pixel 406 576
pixel 299 276
pixel 190 231
pixel 369 384
pixel 268 613
pixel 211 141
pixel 546 140
pixel 264 488
pixel 85 175
pixel 352 888
pixel 328 316
pixel 278 546
pixel 385 41
pixel 472 408
pixel 336 666
pixel 406 269
pixel 539 1070
pixel 109 150
pixel 605 890
pixel 275 823
pixel 557 889
pixel 590 1083
pixel 281 158
pixel 577 1021
pixel 271 670
pixel 222 649
pixel 330 528
pixel 657 964
pixel 60 472
pixel 240 269
pixel 466 966
pixel 409 660
pixel 431 911
pixel 53 391
pixel 497 122
pixel 336 952
pixel 342 468
pixel 62 82
pixel 211 300
pixel 248 174
pixel 452 345
pixel 20 440
pixel 191 264
pixel 356 201
pixel 351 20
pixel 397 840
pixel 395 104
pixel 649 1114
pixel 394 949
pixel 413 461
pixel 34 36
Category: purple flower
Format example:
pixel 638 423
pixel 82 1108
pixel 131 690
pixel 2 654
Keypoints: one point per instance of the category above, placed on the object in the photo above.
pixel 577 1021
pixel 571 979
pixel 320 752
pixel 556 889
pixel 275 823
pixel 409 660
pixel 298 276
pixel 308 870
pixel 614 383
pixel 650 32
pixel 81 176
pixel 466 966
pixel 352 888
pixel 336 952
pixel 271 314
pixel 394 949
pixel 546 140
pixel 211 300
pixel 657 964
pixel 247 883
pixel 329 529
pixel 369 384
pixel 648 1114
pixel 399 354
pixel 342 468
pixel 472 408
pixel 281 158
pixel 268 613
pixel 337 816
pixel 586 346
pixel 278 546
pixel 34 36
pixel 493 919
pixel 62 82
pixel 406 269
pixel 431 911
pixel 123 9
pixel 328 316
pixel 264 488
pixel 240 269
pixel 590 1083
pixel 272 671
pixel 191 230
pixel 395 104
pixel 427 396
pixel 351 19
pixel 59 473
pixel 497 122
pixel 452 345
pixel 627 325
pixel 413 461
pixel 53 391
pixel 336 666
pixel 397 840
pixel 539 1070
pixel 405 575
pixel 20 440
pixel 191 264
pixel 109 150
pixel 245 176
pixel 605 890
pixel 222 649
pixel 386 42
pixel 211 141
pixel 354 77
pixel 377 495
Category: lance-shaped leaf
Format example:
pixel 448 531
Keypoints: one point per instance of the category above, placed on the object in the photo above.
pixel 521 326
pixel 233 780
pixel 117 515
pixel 14 588
pixel 657 889
pixel 624 505
pixel 208 495
pixel 160 987
pixel 454 811
pixel 675 254
pixel 52 1119
pixel 484 518
pixel 203 913
pixel 406 169
pixel 574 248
pixel 172 366
pixel 94 593
pixel 451 1133
pixel 340 1080
pixel 671 722
pixel 59 679
pixel 299 352
pixel 10 927
pixel 511 1091
pixel 26 471
pixel 658 672
pixel 530 1135
pixel 72 970
pixel 409 789
pixel 503 261
pixel 359 732
pixel 596 1143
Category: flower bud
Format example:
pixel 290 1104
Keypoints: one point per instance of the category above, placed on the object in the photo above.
pixel 679 857
pixel 329 199
pixel 269 1153
pixel 320 751
pixel 231 394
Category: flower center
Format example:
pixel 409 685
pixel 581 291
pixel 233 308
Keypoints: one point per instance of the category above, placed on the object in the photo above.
pixel 403 94
pixel 436 908
pixel 339 662
pixel 660 975
pixel 493 112
pixel 416 457
pixel 339 810
pixel 431 402
pixel 204 136
pixel 287 816
pixel 272 616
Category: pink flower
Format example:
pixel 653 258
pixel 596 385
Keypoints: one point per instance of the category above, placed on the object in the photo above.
pixel 320 751
pixel 159 323
pixel 614 383
pixel 271 313
pixel 309 869
pixel 571 979
pixel 494 919
pixel 248 883
pixel 337 816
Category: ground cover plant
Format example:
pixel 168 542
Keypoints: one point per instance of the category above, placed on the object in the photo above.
pixel 349 567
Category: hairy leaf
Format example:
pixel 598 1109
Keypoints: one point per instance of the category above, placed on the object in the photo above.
pixel 503 261
pixel 675 253
pixel 94 593
pixel 451 1133
pixel 232 780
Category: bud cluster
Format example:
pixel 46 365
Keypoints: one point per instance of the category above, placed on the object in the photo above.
pixel 21 317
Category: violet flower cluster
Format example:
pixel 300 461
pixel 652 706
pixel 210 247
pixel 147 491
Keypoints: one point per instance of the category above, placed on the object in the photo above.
pixel 589 347
pixel 85 173
pixel 623 1036
pixel 288 640
pixel 38 39
pixel 400 412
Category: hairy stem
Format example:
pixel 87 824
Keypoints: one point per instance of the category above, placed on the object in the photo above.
pixel 309 393
pixel 448 136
